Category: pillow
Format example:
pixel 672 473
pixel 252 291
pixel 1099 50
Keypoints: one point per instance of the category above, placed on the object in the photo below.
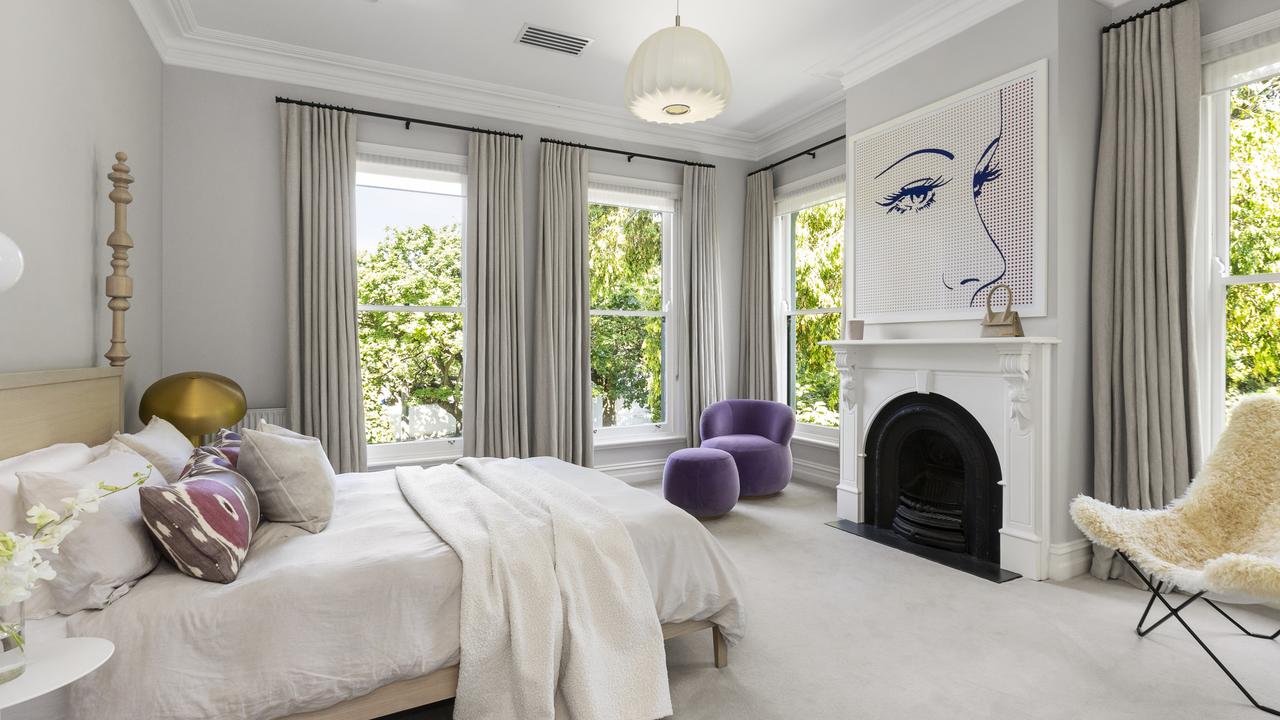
pixel 55 458
pixel 266 427
pixel 111 548
pixel 203 522
pixel 228 443
pixel 224 452
pixel 162 444
pixel 292 476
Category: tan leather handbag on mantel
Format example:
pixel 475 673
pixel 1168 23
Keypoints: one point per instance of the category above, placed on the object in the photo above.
pixel 1005 324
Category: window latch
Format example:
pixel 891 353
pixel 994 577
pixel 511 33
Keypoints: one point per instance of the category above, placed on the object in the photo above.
pixel 1222 267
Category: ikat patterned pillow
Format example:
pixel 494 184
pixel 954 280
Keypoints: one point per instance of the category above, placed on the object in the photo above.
pixel 203 523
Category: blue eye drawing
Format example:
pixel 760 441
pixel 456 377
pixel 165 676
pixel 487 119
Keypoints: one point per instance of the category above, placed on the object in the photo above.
pixel 990 168
pixel 915 196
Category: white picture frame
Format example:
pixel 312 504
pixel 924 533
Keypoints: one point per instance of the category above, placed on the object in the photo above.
pixel 868 241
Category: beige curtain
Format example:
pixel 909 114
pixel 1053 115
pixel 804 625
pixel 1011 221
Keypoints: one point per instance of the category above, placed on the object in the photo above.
pixel 757 373
pixel 561 423
pixel 318 153
pixel 494 413
pixel 1146 438
pixel 701 357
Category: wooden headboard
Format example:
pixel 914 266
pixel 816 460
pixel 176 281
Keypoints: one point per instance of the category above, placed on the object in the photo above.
pixel 38 409
pixel 85 405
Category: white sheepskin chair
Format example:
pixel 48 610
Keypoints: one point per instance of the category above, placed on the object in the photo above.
pixel 1220 539
pixel 1223 535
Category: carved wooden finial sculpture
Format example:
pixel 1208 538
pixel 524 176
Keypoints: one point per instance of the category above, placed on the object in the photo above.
pixel 119 284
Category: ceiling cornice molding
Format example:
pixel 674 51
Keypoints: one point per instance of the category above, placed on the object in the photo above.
pixel 828 116
pixel 916 36
pixel 181 41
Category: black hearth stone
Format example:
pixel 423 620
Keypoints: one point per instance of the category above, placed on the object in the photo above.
pixel 959 561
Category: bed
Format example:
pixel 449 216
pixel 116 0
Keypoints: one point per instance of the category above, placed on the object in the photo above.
pixel 352 623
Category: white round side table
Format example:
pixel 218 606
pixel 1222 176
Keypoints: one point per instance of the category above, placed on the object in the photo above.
pixel 52 664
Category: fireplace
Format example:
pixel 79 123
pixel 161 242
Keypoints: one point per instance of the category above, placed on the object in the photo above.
pixel 933 478
pixel 947 443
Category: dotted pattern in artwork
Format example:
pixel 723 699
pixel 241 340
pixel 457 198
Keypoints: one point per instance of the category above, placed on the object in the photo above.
pixel 941 213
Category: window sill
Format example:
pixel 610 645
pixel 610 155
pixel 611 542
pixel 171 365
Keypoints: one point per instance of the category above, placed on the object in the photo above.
pixel 656 438
pixel 381 464
pixel 418 452
pixel 817 437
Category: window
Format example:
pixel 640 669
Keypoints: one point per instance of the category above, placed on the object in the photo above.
pixel 409 238
pixel 810 237
pixel 1246 244
pixel 630 226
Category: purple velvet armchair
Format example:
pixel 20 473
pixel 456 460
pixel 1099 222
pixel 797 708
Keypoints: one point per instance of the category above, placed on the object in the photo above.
pixel 757 433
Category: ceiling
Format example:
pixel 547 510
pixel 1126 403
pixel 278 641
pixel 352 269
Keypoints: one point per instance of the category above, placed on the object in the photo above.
pixel 789 60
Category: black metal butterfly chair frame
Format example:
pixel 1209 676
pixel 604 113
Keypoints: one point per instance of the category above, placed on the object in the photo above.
pixel 1175 613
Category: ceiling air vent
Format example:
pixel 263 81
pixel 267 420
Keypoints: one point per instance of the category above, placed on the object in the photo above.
pixel 552 40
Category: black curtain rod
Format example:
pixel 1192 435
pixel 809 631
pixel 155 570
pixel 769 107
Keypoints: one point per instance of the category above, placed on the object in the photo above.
pixel 408 121
pixel 1141 15
pixel 630 155
pixel 811 152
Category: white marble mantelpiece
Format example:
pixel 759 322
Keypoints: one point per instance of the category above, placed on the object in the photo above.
pixel 1005 383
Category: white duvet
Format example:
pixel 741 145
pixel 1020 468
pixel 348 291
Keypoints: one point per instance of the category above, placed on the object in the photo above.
pixel 316 619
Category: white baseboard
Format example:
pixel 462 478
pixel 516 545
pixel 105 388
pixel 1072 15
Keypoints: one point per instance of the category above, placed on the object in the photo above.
pixel 815 473
pixel 1069 559
pixel 635 472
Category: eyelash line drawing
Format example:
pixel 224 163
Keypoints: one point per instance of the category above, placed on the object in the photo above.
pixel 914 196
pixel 991 172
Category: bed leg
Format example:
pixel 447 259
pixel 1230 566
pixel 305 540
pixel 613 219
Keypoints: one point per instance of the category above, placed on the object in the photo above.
pixel 721 647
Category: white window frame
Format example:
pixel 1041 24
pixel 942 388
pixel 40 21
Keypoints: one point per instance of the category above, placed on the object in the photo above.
pixel 1214 252
pixel 426 165
pixel 790 199
pixel 660 197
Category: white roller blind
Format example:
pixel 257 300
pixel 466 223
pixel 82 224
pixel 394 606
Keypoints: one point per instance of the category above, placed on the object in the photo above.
pixel 630 192
pixel 810 191
pixel 1241 62
pixel 410 169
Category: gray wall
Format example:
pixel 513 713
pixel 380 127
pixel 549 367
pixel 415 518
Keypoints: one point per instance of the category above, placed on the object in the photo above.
pixel 223 223
pixel 81 82
pixel 1067 33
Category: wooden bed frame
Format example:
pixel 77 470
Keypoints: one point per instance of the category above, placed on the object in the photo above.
pixel 86 405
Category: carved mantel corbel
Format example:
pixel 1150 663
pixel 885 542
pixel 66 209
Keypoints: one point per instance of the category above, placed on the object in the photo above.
pixel 845 364
pixel 1016 369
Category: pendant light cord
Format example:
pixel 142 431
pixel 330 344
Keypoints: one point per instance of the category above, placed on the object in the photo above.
pixel 677 13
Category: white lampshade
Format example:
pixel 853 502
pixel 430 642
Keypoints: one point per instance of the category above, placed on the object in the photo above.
pixel 678 75
pixel 10 262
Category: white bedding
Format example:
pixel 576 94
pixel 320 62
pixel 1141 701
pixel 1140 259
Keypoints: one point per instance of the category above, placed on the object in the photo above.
pixel 316 619
pixel 550 579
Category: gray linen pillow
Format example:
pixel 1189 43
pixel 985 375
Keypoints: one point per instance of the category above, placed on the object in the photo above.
pixel 292 476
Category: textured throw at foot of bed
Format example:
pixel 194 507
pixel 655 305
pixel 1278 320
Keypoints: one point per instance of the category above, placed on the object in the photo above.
pixel 548 574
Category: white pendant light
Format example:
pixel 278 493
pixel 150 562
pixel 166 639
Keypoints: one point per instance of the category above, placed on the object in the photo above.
pixel 678 75
pixel 10 262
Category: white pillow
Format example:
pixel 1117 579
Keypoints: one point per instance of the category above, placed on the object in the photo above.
pixel 162 444
pixel 292 476
pixel 55 458
pixel 109 551
pixel 266 427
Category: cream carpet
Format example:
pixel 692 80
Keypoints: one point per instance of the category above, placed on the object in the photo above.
pixel 841 627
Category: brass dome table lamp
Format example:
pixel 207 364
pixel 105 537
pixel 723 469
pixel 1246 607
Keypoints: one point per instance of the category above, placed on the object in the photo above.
pixel 197 403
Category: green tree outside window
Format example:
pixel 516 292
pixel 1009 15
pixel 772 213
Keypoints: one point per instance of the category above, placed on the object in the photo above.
pixel 1253 310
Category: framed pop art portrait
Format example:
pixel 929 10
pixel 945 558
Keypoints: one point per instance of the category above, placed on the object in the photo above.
pixel 950 201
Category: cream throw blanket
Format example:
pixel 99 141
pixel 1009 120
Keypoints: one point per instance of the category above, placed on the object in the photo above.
pixel 557 616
